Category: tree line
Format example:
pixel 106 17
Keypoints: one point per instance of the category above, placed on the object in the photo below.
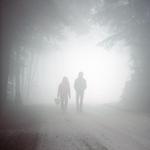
pixel 28 26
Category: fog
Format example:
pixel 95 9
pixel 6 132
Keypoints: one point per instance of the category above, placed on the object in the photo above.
pixel 108 40
pixel 106 69
pixel 74 74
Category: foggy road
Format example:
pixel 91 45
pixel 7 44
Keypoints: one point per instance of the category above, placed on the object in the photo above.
pixel 97 128
pixel 93 50
pixel 103 129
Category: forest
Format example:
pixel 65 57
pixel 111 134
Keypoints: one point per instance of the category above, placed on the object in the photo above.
pixel 41 40
pixel 29 26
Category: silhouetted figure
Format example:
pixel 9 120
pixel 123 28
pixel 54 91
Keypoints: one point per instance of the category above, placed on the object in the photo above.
pixel 80 86
pixel 64 93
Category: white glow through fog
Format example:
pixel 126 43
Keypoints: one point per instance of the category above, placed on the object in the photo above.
pixel 106 71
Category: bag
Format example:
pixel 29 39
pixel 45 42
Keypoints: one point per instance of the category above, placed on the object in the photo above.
pixel 57 101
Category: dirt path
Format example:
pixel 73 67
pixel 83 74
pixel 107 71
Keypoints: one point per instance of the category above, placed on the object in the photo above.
pixel 106 129
pixel 101 128
pixel 68 132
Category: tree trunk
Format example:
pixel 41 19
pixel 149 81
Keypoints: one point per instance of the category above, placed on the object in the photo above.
pixel 18 79
pixel 137 91
pixel 4 55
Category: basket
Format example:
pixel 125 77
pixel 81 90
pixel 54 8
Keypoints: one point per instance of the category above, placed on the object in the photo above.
pixel 57 101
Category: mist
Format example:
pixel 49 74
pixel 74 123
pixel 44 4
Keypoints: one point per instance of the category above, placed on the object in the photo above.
pixel 74 74
pixel 106 71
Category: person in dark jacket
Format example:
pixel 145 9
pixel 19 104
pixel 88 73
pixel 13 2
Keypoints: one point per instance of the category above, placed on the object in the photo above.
pixel 80 86
pixel 64 93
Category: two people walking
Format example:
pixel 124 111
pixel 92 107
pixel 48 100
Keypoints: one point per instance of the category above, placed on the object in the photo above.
pixel 64 92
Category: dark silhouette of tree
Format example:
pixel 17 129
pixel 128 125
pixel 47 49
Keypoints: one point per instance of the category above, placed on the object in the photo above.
pixel 28 26
pixel 25 24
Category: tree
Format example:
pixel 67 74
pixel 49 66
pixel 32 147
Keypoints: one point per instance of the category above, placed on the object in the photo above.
pixel 25 20
pixel 130 21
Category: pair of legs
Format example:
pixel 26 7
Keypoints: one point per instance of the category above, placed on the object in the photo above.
pixel 64 103
pixel 79 101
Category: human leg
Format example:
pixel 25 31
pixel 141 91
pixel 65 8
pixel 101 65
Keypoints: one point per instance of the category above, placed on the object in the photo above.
pixel 81 101
pixel 62 104
pixel 77 101
pixel 65 104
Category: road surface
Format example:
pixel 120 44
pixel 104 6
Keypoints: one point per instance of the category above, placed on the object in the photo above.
pixel 97 128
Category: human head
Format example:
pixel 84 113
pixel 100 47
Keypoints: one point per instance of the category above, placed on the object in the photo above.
pixel 80 75
pixel 65 80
